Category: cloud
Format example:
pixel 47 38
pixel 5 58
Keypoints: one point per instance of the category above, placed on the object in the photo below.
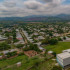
pixel 32 4
pixel 23 8
pixel 9 4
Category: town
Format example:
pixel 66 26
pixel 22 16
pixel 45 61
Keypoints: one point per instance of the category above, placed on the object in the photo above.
pixel 35 46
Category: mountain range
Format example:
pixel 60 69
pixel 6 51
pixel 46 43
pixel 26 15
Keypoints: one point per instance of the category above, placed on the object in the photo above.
pixel 38 18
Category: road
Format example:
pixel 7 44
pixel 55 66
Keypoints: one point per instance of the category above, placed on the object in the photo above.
pixel 23 35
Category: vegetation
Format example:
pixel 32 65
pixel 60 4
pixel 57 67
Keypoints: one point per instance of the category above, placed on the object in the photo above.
pixel 32 47
pixel 58 48
pixel 49 65
pixel 26 62
pixel 4 46
pixel 10 54
pixel 19 46
pixel 51 41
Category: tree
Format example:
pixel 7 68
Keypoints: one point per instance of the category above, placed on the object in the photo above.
pixel 59 39
pixel 34 47
pixel 53 41
pixel 64 38
pixel 10 54
pixel 4 46
pixel 50 34
pixel 7 34
pixel 20 46
pixel 45 41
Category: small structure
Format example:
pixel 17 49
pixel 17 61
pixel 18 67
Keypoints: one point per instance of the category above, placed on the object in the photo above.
pixel 41 37
pixel 2 38
pixel 30 53
pixel 50 52
pixel 7 51
pixel 1 57
pixel 18 64
pixel 64 59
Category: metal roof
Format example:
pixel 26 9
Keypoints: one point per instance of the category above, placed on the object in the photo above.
pixel 64 55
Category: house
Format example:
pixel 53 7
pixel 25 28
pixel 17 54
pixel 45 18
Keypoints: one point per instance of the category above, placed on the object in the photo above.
pixel 2 38
pixel 35 33
pixel 41 37
pixel 7 51
pixel 64 59
pixel 1 56
pixel 56 34
pixel 30 53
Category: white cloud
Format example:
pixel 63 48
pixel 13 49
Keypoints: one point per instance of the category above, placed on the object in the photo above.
pixel 23 8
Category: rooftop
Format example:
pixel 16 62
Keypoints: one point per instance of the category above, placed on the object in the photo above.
pixel 64 55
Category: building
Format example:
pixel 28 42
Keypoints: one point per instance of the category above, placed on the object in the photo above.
pixel 2 38
pixel 68 50
pixel 41 37
pixel 7 51
pixel 50 52
pixel 64 59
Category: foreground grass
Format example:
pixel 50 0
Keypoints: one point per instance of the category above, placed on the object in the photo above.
pixel 47 65
pixel 5 63
pixel 59 47
pixel 26 63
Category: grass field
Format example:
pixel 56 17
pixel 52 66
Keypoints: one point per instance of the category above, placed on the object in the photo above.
pixel 26 63
pixel 59 47
pixel 47 65
pixel 8 62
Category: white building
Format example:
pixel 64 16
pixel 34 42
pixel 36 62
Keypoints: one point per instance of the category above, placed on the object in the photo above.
pixel 2 38
pixel 64 59
pixel 40 37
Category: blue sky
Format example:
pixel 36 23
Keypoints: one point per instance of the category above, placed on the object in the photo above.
pixel 21 8
pixel 1 0
pixel 67 2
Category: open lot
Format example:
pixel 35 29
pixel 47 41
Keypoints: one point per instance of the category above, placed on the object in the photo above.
pixel 59 47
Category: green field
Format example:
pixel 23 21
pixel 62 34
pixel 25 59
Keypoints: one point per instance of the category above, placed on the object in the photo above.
pixel 8 62
pixel 47 65
pixel 26 63
pixel 59 47
pixel 29 62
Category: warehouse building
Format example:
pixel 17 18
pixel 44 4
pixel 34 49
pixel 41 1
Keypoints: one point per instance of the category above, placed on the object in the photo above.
pixel 64 59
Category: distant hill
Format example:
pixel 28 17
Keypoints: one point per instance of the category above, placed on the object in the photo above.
pixel 61 17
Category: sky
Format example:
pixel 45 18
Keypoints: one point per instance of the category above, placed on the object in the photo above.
pixel 22 8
